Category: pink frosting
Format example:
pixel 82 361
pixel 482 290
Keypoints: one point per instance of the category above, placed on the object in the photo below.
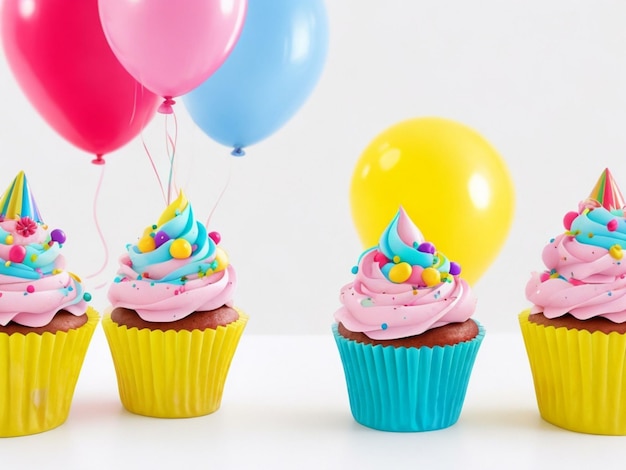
pixel 175 269
pixel 583 280
pixel 383 310
pixel 33 290
pixel 165 302
pixel 386 305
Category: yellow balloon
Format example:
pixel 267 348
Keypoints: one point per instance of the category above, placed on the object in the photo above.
pixel 451 182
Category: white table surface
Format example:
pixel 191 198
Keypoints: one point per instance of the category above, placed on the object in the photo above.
pixel 285 406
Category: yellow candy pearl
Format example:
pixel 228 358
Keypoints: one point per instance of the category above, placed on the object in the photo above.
pixel 222 260
pixel 616 252
pixel 180 249
pixel 431 277
pixel 146 244
pixel 400 272
pixel 9 240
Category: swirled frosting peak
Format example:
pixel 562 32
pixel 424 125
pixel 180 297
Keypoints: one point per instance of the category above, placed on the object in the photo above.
pixel 174 269
pixel 404 286
pixel 33 283
pixel 585 272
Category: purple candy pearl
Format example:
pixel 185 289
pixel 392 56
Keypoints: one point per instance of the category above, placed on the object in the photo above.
pixel 160 238
pixel 58 235
pixel 426 247
pixel 455 268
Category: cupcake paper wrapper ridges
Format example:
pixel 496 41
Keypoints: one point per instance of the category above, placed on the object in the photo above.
pixel 579 377
pixel 172 374
pixel 39 375
pixel 407 389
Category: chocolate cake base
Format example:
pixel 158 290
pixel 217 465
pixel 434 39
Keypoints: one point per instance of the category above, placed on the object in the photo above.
pixel 570 322
pixel 196 321
pixel 452 333
pixel 62 321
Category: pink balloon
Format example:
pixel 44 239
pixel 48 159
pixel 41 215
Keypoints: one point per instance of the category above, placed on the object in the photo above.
pixel 172 46
pixel 59 56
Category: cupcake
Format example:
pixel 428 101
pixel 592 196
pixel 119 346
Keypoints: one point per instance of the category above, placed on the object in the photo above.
pixel 575 331
pixel 404 333
pixel 172 328
pixel 45 322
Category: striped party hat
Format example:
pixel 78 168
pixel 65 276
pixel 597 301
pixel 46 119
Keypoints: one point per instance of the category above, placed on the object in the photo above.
pixel 18 201
pixel 607 193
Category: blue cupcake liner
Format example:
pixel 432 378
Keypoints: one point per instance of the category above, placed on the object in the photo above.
pixel 407 389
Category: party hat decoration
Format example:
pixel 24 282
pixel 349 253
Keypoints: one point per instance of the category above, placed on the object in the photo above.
pixel 607 193
pixel 18 201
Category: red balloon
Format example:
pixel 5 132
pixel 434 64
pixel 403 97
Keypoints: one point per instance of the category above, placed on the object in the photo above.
pixel 61 59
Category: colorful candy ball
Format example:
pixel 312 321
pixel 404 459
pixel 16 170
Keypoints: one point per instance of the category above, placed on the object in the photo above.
pixel 455 268
pixel 568 219
pixel 58 235
pixel 216 237
pixel 160 238
pixel 400 272
pixel 615 251
pixel 426 247
pixel 17 253
pixel 431 277
pixel 180 249
pixel 146 244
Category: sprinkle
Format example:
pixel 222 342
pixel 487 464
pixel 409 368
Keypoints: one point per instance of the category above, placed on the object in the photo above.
pixel 9 240
pixel 86 296
pixel 355 269
pixel 384 326
pixel 590 235
pixel 33 257
pixel 30 289
pixel 611 226
pixel 117 280
pixel 7 264
pixel 396 259
pixel 609 294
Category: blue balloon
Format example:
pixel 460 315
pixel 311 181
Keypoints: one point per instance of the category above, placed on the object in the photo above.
pixel 270 73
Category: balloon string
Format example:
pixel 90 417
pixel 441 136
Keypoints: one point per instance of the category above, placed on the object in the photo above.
pixel 219 198
pixel 154 168
pixel 169 141
pixel 132 115
pixel 99 230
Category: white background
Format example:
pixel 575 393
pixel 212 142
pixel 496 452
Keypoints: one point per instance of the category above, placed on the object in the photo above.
pixel 544 82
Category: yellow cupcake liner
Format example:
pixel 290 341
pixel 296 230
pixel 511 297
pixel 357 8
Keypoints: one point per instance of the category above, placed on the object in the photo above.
pixel 579 377
pixel 38 377
pixel 172 374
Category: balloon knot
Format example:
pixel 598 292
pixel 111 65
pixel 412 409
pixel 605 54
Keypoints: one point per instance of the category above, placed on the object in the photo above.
pixel 166 106
pixel 98 160
pixel 237 152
